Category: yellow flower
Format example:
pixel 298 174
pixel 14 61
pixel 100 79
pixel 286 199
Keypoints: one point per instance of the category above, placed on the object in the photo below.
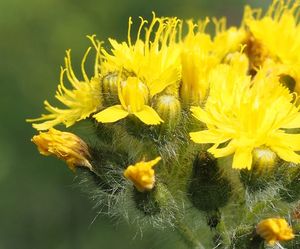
pixel 65 146
pixel 200 54
pixel 242 115
pixel 273 230
pixel 154 60
pixel 142 175
pixel 278 33
pixel 80 101
pixel 133 96
pixel 227 40
pixel 197 60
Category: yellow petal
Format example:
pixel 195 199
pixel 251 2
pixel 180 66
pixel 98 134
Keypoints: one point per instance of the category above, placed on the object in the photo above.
pixel 148 116
pixel 221 152
pixel 111 114
pixel 208 136
pixel 285 140
pixel 293 123
pixel 286 154
pixel 200 114
pixel 242 158
pixel 167 78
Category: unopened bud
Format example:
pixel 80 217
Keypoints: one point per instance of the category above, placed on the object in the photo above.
pixel 262 170
pixel 209 189
pixel 169 109
pixel 263 159
pixel 110 88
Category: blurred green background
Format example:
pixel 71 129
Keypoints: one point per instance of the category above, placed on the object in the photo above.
pixel 40 205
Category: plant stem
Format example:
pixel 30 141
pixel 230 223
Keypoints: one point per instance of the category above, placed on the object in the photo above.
pixel 188 236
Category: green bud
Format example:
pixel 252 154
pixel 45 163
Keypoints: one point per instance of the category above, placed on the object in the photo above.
pixel 208 189
pixel 263 159
pixel 169 109
pixel 262 170
pixel 110 88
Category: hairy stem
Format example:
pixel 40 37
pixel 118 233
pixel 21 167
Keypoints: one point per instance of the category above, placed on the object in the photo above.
pixel 188 236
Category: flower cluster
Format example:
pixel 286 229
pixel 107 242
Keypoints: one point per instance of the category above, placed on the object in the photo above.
pixel 175 90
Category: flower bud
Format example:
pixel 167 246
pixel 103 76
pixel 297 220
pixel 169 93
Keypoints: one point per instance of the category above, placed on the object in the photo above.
pixel 262 170
pixel 169 109
pixel 263 159
pixel 208 189
pixel 110 88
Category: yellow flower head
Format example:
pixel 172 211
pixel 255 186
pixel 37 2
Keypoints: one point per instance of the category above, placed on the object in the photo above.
pixel 142 175
pixel 154 60
pixel 276 35
pixel 227 40
pixel 65 146
pixel 273 230
pixel 80 101
pixel 133 96
pixel 200 54
pixel 242 115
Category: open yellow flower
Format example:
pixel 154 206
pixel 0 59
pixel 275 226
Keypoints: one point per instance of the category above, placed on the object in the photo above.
pixel 133 96
pixel 80 101
pixel 200 54
pixel 273 230
pixel 65 146
pixel 142 175
pixel 242 115
pixel 154 60
pixel 278 34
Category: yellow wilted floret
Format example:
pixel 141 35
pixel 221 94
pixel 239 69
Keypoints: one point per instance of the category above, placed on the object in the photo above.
pixel 133 96
pixel 200 54
pixel 142 175
pixel 278 34
pixel 273 230
pixel 80 101
pixel 154 60
pixel 242 115
pixel 65 146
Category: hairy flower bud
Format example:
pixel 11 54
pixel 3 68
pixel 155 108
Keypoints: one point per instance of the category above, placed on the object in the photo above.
pixel 263 158
pixel 262 170
pixel 110 88
pixel 208 189
pixel 168 108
